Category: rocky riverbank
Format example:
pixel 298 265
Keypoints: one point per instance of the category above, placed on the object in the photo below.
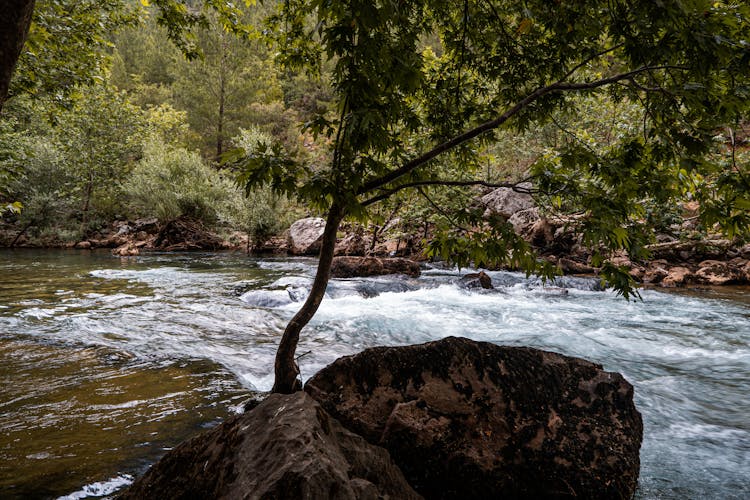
pixel 681 258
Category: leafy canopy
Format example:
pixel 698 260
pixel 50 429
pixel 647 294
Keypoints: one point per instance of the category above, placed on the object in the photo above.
pixel 420 84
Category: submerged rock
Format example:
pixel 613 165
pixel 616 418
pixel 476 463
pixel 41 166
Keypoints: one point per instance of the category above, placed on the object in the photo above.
pixel 287 447
pixel 467 419
pixel 267 298
pixel 353 267
pixel 476 280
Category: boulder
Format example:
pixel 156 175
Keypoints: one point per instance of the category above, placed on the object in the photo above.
pixel 352 267
pixel 286 447
pixel 466 419
pixel 305 236
pixel 184 233
pixel 523 221
pixel 508 201
pixel 352 244
pixel 677 276
pixel 476 280
pixel 83 245
pixel 714 272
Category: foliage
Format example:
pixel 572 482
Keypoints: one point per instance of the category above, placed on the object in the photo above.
pixel 220 88
pixel 170 181
pixel 69 45
pixel 260 211
pixel 504 68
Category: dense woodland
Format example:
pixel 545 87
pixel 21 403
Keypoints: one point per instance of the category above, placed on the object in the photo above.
pixel 107 119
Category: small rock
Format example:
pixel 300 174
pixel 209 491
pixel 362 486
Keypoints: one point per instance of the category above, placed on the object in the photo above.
pixel 149 225
pixel 83 245
pixel 477 280
pixel 126 250
pixel 351 244
pixel 571 266
pixel 677 276
pixel 714 272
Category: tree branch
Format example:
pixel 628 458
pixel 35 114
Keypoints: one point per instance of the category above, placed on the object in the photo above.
pixel 559 86
pixel 439 182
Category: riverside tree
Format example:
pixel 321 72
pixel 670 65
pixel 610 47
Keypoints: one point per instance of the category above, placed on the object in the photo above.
pixel 421 84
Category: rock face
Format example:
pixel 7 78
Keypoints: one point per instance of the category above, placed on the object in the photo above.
pixel 286 447
pixel 506 201
pixel 352 267
pixel 305 236
pixel 186 233
pixel 467 419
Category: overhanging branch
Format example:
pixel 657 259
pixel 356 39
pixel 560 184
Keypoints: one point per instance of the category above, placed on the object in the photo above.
pixel 438 182
pixel 559 86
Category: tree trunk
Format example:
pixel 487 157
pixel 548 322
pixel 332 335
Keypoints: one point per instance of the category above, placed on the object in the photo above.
pixel 86 203
pixel 285 367
pixel 14 28
pixel 222 99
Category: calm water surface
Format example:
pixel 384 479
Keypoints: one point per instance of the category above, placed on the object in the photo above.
pixel 106 362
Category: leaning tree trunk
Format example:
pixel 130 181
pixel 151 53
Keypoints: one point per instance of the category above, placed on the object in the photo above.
pixel 285 367
pixel 14 28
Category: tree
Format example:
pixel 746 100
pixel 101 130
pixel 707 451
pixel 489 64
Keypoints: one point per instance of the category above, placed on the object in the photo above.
pixel 219 89
pixel 506 66
pixel 14 28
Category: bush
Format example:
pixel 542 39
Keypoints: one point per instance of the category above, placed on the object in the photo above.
pixel 260 213
pixel 169 182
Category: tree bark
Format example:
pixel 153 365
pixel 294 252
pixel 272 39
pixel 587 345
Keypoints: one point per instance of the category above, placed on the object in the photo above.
pixel 285 368
pixel 14 28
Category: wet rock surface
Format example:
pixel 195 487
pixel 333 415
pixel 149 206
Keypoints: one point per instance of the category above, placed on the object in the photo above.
pixel 286 447
pixel 476 280
pixel 467 419
pixel 352 267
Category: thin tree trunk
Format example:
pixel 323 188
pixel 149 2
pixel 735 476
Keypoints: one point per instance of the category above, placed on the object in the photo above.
pixel 285 367
pixel 222 99
pixel 86 203
pixel 20 233
pixel 14 28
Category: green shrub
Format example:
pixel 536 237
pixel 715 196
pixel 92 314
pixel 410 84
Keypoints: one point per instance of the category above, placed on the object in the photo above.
pixel 169 182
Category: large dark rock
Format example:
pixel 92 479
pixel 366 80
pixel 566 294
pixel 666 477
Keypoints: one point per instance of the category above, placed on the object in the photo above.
pixel 287 447
pixel 467 419
pixel 352 267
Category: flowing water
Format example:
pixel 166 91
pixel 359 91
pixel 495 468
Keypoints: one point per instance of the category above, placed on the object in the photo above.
pixel 108 362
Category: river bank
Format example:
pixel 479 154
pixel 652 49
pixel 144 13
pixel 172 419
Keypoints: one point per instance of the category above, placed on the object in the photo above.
pixel 700 261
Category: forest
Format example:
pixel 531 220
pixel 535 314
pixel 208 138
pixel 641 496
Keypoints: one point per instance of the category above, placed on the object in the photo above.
pixel 170 125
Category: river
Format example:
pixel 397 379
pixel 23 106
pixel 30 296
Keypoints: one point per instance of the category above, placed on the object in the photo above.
pixel 107 362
